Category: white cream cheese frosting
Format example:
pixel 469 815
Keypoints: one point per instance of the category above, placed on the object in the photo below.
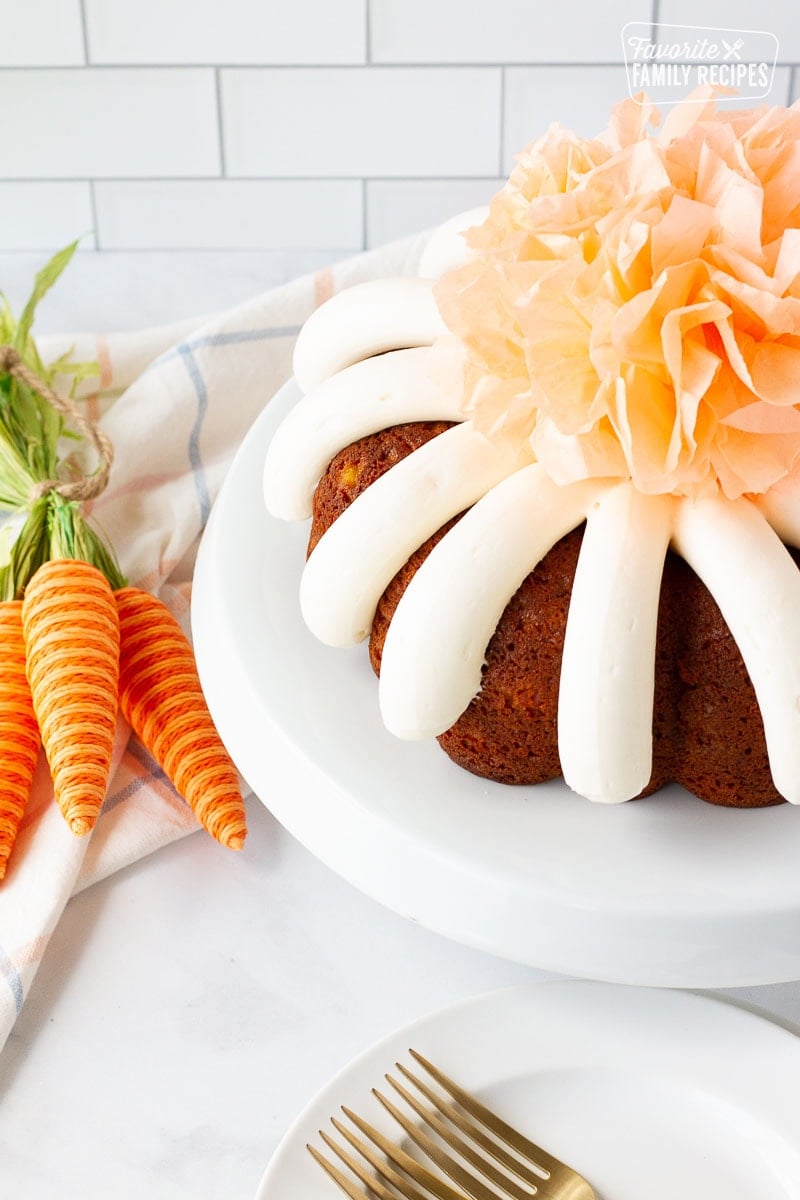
pixel 371 318
pixel 446 248
pixel 756 584
pixel 781 508
pixel 364 398
pixel 605 710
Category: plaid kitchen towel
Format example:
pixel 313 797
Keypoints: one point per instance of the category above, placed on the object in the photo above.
pixel 176 403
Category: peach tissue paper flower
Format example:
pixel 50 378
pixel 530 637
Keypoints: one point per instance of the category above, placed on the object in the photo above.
pixel 631 305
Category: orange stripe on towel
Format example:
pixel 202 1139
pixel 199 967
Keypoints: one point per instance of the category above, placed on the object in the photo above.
pixel 104 360
pixel 323 286
pixel 31 952
pixel 142 483
pixel 92 402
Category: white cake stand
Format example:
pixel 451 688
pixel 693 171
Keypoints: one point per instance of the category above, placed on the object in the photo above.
pixel 666 891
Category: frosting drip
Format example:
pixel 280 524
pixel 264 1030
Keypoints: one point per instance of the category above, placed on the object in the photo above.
pixel 605 712
pixel 756 584
pixel 384 314
pixel 369 396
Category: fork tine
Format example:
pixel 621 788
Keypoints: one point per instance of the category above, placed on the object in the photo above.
pixel 512 1137
pixel 383 1168
pixel 474 1132
pixel 437 1187
pixel 347 1185
pixel 467 1152
pixel 460 1176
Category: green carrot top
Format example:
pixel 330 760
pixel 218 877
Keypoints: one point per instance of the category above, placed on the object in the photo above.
pixel 33 424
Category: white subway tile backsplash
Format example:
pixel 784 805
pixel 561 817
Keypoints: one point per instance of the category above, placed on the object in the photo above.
pixel 45 216
pixel 230 214
pixel 780 17
pixel 361 121
pixel 133 289
pixel 513 31
pixel 397 207
pixel 314 125
pixel 241 31
pixel 578 97
pixel 101 123
pixel 41 33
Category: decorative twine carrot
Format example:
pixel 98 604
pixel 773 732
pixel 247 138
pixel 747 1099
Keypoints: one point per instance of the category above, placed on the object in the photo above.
pixel 19 732
pixel 71 630
pixel 161 697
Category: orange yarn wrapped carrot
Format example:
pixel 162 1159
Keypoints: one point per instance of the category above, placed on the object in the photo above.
pixel 19 733
pixel 71 631
pixel 161 697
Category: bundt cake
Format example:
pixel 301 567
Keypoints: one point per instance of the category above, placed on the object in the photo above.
pixel 554 478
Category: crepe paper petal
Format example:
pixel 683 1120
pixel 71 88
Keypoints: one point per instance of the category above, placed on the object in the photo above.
pixel 780 505
pixel 757 312
pixel 682 233
pixel 787 263
pixel 569 458
pixel 630 120
pixel 764 418
pixel 680 120
pixel 775 370
pixel 781 188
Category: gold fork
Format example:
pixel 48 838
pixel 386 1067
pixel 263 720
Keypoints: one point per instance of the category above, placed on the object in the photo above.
pixel 509 1161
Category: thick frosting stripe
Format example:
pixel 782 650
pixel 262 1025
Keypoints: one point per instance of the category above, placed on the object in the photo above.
pixel 605 704
pixel 756 584
pixel 370 318
pixel 436 644
pixel 447 248
pixel 367 545
pixel 781 507
pixel 369 396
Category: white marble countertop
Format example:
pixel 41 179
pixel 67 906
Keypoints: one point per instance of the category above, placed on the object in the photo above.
pixel 188 1007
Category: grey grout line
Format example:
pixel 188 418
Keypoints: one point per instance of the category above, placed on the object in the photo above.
pixel 368 30
pixel 95 66
pixel 84 33
pixel 364 220
pixel 317 179
pixel 220 123
pixel 656 17
pixel 501 148
pixel 401 65
pixel 93 208
pixel 792 81
pixel 278 251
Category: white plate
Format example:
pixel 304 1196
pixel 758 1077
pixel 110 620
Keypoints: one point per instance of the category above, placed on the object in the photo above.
pixel 651 1094
pixel 663 891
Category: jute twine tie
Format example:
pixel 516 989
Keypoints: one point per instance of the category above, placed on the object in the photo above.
pixel 87 487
